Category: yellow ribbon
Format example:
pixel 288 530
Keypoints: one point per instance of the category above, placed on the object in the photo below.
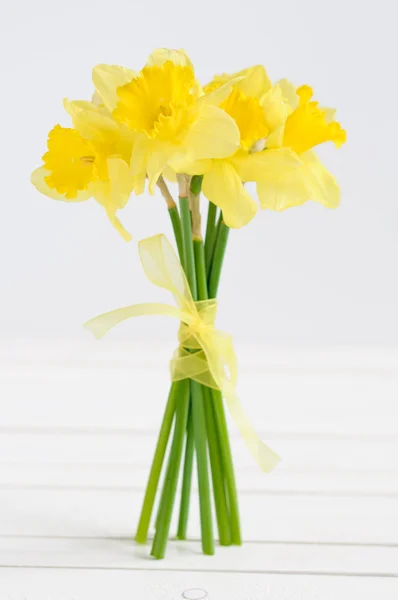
pixel 214 362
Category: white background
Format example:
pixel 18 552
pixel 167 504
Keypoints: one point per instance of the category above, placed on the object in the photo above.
pixel 306 276
pixel 310 296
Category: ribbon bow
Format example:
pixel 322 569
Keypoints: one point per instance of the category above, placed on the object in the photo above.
pixel 205 354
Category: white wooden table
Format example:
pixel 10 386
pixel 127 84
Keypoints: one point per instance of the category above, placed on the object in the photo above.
pixel 77 432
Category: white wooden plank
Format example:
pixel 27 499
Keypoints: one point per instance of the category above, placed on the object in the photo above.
pixel 111 352
pixel 298 454
pixel 110 513
pixel 249 558
pixel 72 466
pixel 301 392
pixel 36 584
pixel 285 480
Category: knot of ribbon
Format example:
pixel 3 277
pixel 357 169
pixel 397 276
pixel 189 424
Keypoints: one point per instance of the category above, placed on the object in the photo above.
pixel 205 354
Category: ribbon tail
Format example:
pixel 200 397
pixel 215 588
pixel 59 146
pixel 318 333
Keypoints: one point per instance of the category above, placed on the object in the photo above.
pixel 266 458
pixel 100 325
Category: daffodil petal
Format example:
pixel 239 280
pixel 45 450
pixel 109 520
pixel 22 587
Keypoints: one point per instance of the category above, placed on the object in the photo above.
pixel 214 134
pixel 289 92
pixel 180 164
pixel 255 81
pixel 157 162
pixel 74 107
pixel 218 95
pixel 138 162
pixel 330 113
pixel 161 55
pixel 96 126
pixel 268 163
pixel 223 186
pixel 321 184
pixel 97 100
pixel 38 179
pixel 276 108
pixel 139 156
pixel 121 181
pixel 118 226
pixel 169 174
pixel 107 78
pixel 311 181
pixel 114 193
pixel 275 138
pixel 139 184
pixel 281 193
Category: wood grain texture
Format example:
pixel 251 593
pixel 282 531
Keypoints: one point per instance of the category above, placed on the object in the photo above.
pixel 76 437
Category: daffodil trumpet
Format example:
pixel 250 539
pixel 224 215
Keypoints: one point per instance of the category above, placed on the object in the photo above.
pixel 141 130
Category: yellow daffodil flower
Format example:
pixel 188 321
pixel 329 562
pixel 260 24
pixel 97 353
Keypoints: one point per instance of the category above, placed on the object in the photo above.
pixel 223 178
pixel 89 160
pixel 170 117
pixel 238 128
pixel 295 123
pixel 306 126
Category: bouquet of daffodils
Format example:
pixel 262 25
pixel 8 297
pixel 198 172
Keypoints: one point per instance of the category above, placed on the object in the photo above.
pixel 156 126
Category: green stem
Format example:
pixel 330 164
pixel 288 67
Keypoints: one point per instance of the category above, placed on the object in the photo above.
pixel 186 481
pixel 214 448
pixel 196 184
pixel 199 422
pixel 154 475
pixel 189 447
pixel 170 483
pixel 189 260
pixel 218 258
pixel 200 436
pixel 217 404
pixel 200 268
pixel 217 471
pixel 189 267
pixel 165 487
pixel 211 231
pixel 165 490
pixel 228 468
pixel 176 223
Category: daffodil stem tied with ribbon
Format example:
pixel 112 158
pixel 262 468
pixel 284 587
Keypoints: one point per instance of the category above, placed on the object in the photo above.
pixel 206 430
pixel 204 372
pixel 140 130
pixel 197 400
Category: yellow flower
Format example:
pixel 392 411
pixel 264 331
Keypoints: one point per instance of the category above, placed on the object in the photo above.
pixel 297 124
pixel 255 83
pixel 307 125
pixel 172 120
pixel 89 160
pixel 223 179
